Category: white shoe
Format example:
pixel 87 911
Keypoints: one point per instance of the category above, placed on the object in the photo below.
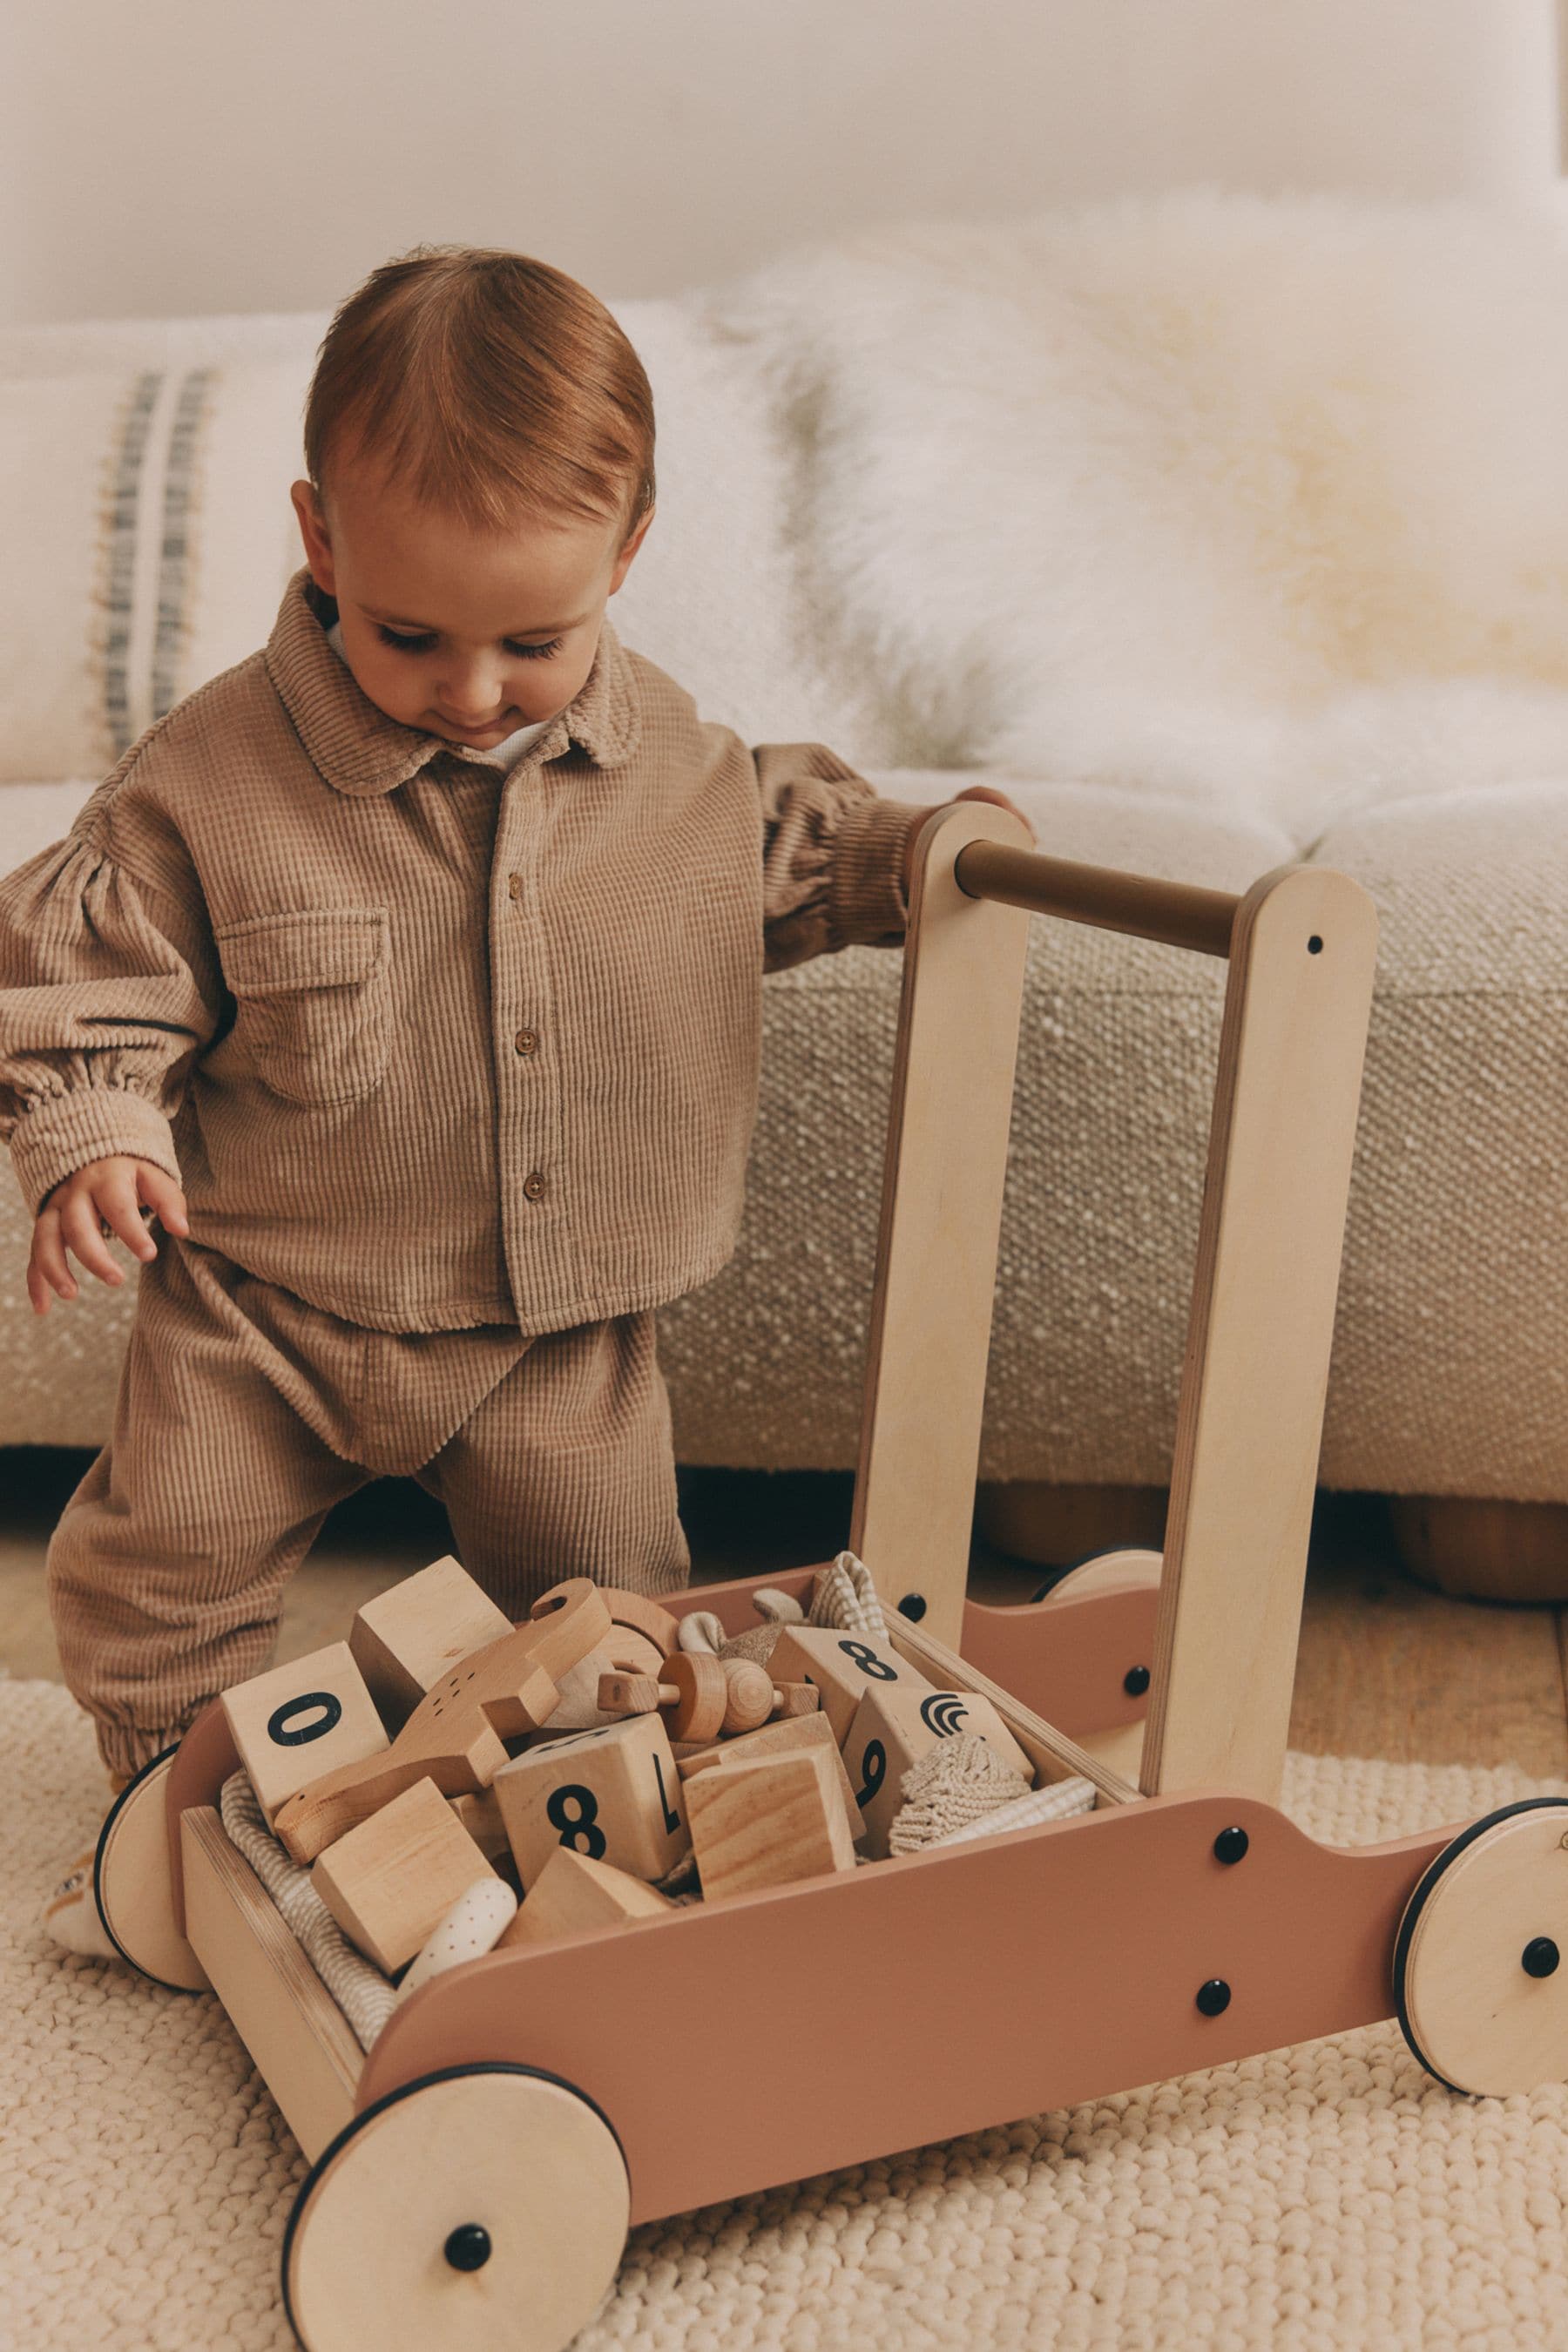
pixel 70 1916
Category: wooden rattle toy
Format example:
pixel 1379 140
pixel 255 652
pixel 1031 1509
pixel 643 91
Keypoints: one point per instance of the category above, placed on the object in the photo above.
pixel 455 1735
pixel 702 1697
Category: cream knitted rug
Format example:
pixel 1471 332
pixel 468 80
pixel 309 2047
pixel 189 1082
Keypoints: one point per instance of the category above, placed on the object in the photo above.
pixel 1330 2196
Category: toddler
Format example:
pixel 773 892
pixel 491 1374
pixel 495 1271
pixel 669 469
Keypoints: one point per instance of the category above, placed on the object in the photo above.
pixel 408 974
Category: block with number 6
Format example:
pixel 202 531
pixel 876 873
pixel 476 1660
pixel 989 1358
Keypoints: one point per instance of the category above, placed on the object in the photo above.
pixel 611 1795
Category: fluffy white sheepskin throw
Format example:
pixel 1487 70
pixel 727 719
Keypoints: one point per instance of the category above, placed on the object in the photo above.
pixel 1263 502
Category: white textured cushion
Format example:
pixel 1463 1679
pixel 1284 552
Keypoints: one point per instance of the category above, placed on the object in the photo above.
pixel 148 540
pixel 146 478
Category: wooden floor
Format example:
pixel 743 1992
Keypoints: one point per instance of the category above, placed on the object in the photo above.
pixel 1386 1668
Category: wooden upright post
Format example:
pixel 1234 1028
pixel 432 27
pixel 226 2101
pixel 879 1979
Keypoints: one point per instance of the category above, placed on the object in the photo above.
pixel 941 1214
pixel 1250 1421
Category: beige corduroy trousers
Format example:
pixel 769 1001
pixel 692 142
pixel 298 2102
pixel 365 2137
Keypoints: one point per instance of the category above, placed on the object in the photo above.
pixel 244 1414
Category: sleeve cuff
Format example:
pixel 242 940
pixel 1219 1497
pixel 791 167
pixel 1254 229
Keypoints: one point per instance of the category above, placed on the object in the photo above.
pixel 867 904
pixel 59 1133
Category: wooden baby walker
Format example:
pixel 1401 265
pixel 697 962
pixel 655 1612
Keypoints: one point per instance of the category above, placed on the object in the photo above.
pixel 474 2174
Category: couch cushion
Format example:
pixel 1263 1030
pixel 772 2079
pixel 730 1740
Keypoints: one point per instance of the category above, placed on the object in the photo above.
pixel 1448 1368
pixel 1450 1358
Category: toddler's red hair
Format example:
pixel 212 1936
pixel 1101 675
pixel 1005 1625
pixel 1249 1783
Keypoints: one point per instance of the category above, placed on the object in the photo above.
pixel 489 386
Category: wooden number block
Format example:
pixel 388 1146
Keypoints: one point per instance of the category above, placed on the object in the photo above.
pixel 765 1822
pixel 572 1892
pixel 406 1639
pixel 613 1795
pixel 391 1882
pixel 295 1722
pixel 480 1815
pixel 842 1666
pixel 892 1727
pixel 778 1740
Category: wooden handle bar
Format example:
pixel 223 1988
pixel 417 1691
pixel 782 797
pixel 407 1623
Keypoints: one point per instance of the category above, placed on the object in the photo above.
pixel 1174 912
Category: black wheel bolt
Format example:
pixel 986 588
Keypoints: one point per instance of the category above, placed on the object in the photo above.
pixel 1213 1997
pixel 1540 1956
pixel 1135 1681
pixel 468 2247
pixel 1230 1845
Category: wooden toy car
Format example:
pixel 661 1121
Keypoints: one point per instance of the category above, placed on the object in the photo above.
pixel 473 2175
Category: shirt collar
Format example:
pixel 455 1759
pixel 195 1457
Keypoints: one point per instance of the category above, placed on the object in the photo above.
pixel 359 749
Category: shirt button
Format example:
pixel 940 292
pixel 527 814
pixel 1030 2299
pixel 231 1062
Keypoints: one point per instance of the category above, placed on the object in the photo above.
pixel 533 1186
pixel 526 1041
pixel 514 886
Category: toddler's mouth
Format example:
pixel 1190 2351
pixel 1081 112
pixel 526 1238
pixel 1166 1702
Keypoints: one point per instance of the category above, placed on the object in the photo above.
pixel 491 726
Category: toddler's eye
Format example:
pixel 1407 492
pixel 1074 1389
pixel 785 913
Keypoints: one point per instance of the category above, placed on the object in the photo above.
pixel 422 643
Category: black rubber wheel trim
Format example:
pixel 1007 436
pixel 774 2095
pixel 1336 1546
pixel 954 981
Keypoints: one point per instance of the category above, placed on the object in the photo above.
pixel 379 2106
pixel 1419 1897
pixel 98 1853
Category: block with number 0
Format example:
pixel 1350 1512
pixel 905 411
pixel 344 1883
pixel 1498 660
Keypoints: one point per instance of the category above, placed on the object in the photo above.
pixel 893 1727
pixel 842 1666
pixel 298 1721
pixel 611 1795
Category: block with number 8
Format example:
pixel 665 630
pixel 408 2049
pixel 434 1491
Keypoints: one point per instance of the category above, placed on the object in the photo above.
pixel 842 1666
pixel 611 1795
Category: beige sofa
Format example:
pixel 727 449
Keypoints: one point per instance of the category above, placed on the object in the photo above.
pixel 771 586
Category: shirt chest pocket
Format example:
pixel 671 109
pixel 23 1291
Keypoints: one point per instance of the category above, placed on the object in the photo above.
pixel 313 992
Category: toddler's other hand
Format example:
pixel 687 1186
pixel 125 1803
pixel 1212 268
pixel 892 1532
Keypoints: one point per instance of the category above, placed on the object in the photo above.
pixel 970 793
pixel 104 1197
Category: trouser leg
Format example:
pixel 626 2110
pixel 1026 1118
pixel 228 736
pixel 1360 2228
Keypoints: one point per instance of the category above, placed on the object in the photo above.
pixel 166 1570
pixel 567 1468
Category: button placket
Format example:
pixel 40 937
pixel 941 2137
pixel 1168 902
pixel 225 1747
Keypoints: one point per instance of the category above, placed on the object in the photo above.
pixel 531 1206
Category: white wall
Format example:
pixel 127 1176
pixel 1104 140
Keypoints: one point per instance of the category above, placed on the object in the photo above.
pixel 170 156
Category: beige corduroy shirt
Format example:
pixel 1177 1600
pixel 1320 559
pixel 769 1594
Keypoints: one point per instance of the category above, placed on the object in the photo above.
pixel 429 1045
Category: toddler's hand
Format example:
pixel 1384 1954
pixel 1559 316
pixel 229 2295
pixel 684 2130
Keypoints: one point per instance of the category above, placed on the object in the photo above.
pixel 970 793
pixel 105 1197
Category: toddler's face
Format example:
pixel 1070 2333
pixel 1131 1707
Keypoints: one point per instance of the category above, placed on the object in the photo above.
pixel 460 633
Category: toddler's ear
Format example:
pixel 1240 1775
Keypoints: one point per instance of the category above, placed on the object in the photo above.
pixel 313 533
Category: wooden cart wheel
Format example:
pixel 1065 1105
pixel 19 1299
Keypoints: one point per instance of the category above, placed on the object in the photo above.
pixel 483 2209
pixel 132 1884
pixel 1109 1571
pixel 1480 1961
